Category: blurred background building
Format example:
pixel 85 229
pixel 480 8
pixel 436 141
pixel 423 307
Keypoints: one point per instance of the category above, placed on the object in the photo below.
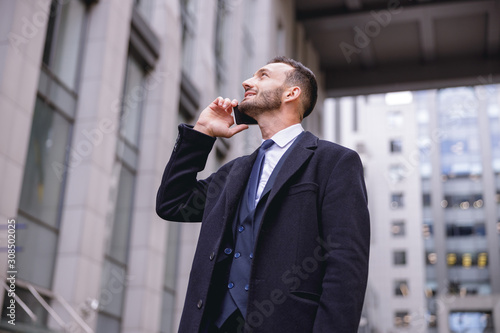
pixel 92 91
pixel 432 168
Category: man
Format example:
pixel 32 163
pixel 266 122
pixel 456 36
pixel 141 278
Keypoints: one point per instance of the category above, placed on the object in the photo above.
pixel 285 231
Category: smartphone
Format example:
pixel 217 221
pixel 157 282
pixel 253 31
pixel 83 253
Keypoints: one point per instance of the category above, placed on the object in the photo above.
pixel 242 118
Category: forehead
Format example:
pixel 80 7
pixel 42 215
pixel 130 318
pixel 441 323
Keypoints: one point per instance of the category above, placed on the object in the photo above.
pixel 278 68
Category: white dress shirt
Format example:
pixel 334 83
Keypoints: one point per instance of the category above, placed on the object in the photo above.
pixel 282 141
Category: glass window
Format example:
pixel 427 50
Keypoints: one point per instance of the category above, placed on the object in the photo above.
pixel 468 273
pixel 398 228
pixel 145 7
pixel 45 165
pixel 168 309
pixel 172 256
pixel 115 263
pixel 397 172
pixel 466 229
pixel 467 259
pixel 107 324
pixel 396 146
pixel 134 96
pixel 170 277
pixel 426 199
pixel 401 288
pixel 23 322
pixel 220 44
pixel 36 253
pixel 220 29
pixel 428 229
pixel 113 285
pixel 189 23
pixel 458 124
pixel 402 319
pixel 492 92
pixel 281 44
pixel 471 321
pixel 463 201
pixel 41 192
pixel 118 247
pixel 248 43
pixel 397 200
pixel 431 258
pixel 394 119
pixel 50 34
pixel 114 278
pixel 399 258
pixel 431 288
pixel 64 39
pixel 66 56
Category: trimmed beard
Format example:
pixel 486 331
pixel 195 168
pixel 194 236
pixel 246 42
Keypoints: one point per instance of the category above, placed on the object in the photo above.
pixel 267 101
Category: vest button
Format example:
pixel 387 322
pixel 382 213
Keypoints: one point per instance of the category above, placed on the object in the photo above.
pixel 200 304
pixel 247 287
pixel 228 250
pixel 212 256
pixel 237 255
pixel 251 255
pixel 241 228
pixel 230 285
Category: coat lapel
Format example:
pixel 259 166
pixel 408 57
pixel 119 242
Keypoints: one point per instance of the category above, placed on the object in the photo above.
pixel 302 150
pixel 236 183
pixel 237 178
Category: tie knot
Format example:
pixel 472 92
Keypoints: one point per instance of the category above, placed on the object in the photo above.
pixel 266 144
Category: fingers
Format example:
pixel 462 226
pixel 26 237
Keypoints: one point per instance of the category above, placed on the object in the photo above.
pixel 225 103
pixel 222 102
pixel 218 100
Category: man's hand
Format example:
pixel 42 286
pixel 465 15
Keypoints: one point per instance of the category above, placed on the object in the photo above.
pixel 216 119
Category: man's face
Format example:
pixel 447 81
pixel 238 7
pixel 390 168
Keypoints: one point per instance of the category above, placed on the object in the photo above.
pixel 263 91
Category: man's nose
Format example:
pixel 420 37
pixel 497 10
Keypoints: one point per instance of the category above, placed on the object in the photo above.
pixel 247 84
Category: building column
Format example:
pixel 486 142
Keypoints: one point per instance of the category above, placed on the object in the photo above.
pixel 489 190
pixel 439 222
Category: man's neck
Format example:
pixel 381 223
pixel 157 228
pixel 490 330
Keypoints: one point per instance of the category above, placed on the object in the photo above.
pixel 271 123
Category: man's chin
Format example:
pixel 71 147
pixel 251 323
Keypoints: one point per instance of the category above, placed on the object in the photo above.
pixel 245 107
pixel 245 101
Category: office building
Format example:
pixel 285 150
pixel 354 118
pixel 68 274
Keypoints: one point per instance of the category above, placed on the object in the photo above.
pixel 432 167
pixel 91 93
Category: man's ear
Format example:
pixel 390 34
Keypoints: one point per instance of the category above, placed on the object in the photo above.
pixel 292 94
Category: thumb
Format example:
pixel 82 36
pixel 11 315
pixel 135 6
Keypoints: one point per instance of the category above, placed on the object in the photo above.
pixel 236 129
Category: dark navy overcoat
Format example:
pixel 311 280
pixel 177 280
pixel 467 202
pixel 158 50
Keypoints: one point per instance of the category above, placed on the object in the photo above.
pixel 310 265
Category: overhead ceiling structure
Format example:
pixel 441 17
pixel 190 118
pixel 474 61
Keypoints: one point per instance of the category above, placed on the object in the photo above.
pixel 374 46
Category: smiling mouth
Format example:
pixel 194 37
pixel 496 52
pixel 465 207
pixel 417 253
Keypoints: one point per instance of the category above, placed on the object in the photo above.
pixel 250 94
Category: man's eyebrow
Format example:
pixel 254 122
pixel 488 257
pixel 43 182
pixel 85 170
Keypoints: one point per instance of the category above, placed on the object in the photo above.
pixel 262 70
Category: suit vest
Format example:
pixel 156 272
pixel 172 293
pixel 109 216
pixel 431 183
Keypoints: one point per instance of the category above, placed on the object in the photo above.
pixel 245 226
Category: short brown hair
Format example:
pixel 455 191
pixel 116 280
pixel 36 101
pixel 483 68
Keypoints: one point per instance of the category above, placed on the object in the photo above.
pixel 304 78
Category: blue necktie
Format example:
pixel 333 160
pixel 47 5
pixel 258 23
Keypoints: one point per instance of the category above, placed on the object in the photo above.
pixel 253 181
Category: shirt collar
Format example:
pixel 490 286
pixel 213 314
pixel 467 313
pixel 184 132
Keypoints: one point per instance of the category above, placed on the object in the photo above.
pixel 283 137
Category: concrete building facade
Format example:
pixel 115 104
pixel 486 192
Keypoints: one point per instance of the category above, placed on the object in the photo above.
pixel 91 93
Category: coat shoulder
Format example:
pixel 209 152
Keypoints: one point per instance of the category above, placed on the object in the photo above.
pixel 335 147
pixel 312 141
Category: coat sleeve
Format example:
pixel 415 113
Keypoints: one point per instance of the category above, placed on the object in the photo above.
pixel 181 197
pixel 346 229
